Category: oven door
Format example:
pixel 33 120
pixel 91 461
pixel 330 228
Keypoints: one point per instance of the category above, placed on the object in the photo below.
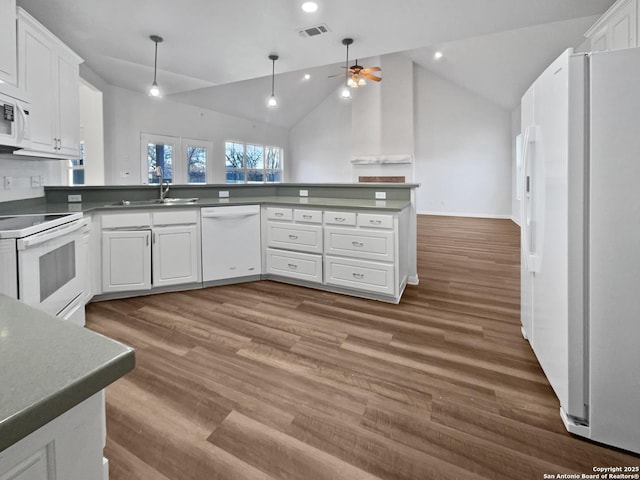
pixel 50 267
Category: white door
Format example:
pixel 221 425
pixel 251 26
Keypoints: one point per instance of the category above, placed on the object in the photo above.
pixel 614 270
pixel 8 61
pixel 175 255
pixel 126 260
pixel 230 242
pixel 526 277
pixel 38 79
pixel 546 234
pixel 68 106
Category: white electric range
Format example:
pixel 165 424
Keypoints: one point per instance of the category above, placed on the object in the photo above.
pixel 44 260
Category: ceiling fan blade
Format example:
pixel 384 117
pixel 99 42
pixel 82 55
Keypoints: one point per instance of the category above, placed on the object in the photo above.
pixel 371 77
pixel 338 75
pixel 371 69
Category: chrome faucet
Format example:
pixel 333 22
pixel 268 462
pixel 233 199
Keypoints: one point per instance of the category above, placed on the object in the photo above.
pixel 163 191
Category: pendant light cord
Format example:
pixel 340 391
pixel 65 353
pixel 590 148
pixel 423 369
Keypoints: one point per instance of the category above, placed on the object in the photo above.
pixel 273 74
pixel 155 63
pixel 346 65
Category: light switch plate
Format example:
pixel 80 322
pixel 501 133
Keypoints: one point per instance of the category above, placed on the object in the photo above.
pixel 223 194
pixel 74 198
pixel 381 195
pixel 304 193
pixel 8 182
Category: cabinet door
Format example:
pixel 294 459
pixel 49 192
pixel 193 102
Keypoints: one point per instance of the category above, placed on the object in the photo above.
pixel 68 101
pixel 36 58
pixel 126 260
pixel 8 61
pixel 622 26
pixel 175 255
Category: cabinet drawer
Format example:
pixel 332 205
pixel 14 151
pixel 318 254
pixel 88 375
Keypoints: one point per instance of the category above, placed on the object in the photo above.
pixel 351 242
pixel 308 216
pixel 303 266
pixel 340 218
pixel 359 274
pixel 175 217
pixel 375 220
pixel 125 220
pixel 275 213
pixel 305 238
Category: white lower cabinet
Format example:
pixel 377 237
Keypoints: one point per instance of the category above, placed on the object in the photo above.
pixel 70 447
pixel 126 260
pixel 303 266
pixel 175 255
pixel 360 275
pixel 144 250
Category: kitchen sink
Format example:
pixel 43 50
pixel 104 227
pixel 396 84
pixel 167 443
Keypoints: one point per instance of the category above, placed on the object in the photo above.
pixel 156 201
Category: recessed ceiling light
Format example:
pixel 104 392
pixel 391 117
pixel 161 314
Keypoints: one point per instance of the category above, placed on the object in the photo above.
pixel 307 76
pixel 309 7
pixel 437 55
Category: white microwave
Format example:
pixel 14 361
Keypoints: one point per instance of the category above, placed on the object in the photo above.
pixel 14 120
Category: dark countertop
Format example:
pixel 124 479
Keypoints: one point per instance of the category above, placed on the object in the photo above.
pixel 48 367
pixel 298 202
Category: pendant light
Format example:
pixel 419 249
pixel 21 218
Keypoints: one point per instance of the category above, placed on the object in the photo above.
pixel 272 102
pixel 345 94
pixel 154 91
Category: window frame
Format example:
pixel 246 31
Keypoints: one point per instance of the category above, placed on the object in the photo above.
pixel 179 160
pixel 244 169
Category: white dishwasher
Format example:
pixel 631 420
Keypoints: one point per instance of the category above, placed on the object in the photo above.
pixel 230 242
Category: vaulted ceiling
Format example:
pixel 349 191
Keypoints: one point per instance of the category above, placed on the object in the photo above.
pixel 209 43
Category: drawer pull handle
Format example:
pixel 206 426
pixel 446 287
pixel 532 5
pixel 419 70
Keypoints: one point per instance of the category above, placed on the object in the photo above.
pixel 339 219
pixel 375 222
pixel 292 266
pixel 358 275
pixel 357 244
pixel 279 214
pixel 293 237
pixel 307 217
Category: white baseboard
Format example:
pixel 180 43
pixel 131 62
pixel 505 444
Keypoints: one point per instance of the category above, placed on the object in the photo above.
pixel 515 220
pixel 475 215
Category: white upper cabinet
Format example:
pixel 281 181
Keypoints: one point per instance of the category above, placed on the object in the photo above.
pixel 617 28
pixel 8 57
pixel 49 72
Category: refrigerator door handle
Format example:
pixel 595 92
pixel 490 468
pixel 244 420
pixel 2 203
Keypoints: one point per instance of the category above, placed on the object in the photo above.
pixel 528 222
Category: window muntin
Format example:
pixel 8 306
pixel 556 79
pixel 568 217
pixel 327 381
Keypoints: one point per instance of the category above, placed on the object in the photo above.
pixel 250 163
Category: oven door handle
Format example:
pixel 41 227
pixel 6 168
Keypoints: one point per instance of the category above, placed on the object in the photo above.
pixel 51 234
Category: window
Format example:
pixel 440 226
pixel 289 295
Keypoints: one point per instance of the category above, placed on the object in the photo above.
pixel 248 163
pixel 76 168
pixel 182 160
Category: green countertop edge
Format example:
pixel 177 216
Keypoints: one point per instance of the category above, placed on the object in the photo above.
pixel 27 421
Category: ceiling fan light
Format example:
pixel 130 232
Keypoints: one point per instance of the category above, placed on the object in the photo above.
pixel 345 94
pixel 361 82
pixel 272 102
pixel 352 83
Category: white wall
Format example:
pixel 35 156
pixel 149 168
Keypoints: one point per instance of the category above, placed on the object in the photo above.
pixel 92 133
pixel 127 114
pixel 320 144
pixel 463 150
pixel 21 169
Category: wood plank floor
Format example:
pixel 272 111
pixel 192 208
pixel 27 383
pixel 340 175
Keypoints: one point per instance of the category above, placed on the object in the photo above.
pixel 272 381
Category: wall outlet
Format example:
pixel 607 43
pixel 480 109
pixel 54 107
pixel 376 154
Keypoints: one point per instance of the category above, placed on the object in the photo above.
pixel 304 193
pixel 74 198
pixel 223 194
pixel 8 183
pixel 36 181
pixel 381 195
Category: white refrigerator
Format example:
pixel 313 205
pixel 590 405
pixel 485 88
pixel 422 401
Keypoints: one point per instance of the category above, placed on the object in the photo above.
pixel 581 239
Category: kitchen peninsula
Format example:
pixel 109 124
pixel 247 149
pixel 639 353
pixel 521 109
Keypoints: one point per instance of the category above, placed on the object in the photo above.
pixel 51 401
pixel 356 239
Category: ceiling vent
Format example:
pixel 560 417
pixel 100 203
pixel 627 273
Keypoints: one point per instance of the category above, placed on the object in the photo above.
pixel 313 31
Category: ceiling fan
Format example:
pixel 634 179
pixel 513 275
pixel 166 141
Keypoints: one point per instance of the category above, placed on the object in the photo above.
pixel 357 73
